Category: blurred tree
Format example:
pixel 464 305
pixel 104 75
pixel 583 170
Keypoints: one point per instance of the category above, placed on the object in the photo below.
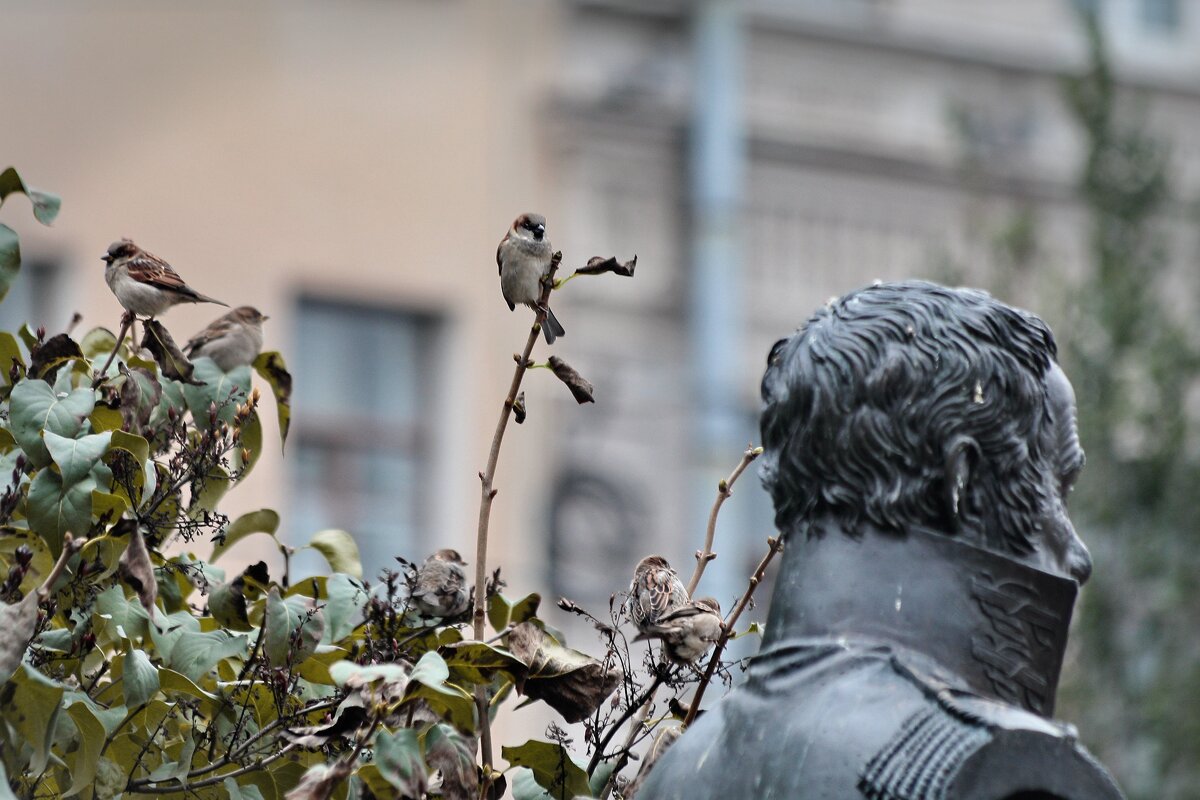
pixel 1128 343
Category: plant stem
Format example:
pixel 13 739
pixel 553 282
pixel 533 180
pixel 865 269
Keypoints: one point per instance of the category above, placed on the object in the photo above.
pixel 146 787
pixel 774 544
pixel 487 494
pixel 646 697
pixel 126 324
pixel 724 490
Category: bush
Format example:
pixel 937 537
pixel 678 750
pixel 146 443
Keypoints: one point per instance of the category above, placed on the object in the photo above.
pixel 131 671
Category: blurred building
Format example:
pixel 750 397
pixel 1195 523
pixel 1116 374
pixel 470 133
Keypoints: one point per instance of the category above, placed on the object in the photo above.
pixel 349 168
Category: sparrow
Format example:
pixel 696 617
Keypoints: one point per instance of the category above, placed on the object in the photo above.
pixel 688 631
pixel 441 585
pixel 523 257
pixel 232 340
pixel 145 284
pixel 654 592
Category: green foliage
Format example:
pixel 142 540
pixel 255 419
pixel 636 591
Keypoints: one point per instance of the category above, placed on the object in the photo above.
pixel 1134 363
pixel 133 665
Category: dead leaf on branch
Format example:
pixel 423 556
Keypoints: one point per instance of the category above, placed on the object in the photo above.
pixel 519 409
pixel 572 683
pixel 137 570
pixel 598 265
pixel 171 360
pixel 581 390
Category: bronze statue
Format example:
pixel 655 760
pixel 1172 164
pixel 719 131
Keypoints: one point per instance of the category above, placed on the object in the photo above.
pixel 920 445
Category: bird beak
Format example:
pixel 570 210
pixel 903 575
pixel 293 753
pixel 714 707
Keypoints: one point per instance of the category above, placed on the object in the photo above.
pixel 539 232
pixel 265 318
pixel 106 258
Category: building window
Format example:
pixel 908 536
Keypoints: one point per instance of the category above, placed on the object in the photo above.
pixel 360 443
pixel 1160 16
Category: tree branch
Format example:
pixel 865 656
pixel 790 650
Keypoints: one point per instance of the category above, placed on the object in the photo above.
pixel 724 490
pixel 487 494
pixel 774 544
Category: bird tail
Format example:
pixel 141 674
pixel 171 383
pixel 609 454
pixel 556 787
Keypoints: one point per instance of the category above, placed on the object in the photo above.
pixel 552 328
pixel 196 297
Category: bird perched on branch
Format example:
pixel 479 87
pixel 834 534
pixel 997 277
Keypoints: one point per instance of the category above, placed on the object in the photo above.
pixel 524 258
pixel 654 592
pixel 145 284
pixel 232 340
pixel 441 585
pixel 688 631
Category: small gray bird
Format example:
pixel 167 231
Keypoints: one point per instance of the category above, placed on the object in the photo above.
pixel 654 592
pixel 144 284
pixel 441 587
pixel 232 340
pixel 688 631
pixel 523 257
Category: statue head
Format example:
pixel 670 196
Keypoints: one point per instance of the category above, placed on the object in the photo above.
pixel 907 405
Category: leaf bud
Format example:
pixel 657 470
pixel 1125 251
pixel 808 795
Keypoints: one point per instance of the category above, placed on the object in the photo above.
pixel 172 414
pixel 245 455
pixel 41 333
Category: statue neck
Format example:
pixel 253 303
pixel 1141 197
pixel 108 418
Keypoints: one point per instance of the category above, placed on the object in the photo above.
pixel 994 626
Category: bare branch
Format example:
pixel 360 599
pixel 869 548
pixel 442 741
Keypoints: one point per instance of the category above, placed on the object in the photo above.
pixel 724 490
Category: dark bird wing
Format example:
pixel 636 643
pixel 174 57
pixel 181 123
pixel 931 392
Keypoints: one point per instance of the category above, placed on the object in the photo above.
pixel 218 329
pixel 500 270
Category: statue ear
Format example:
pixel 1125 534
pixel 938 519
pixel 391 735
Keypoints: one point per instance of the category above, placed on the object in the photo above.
pixel 962 454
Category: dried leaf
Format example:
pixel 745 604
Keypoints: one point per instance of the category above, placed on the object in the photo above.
pixel 47 357
pixel 519 408
pixel 572 683
pixel 581 390
pixel 453 755
pixel 140 395
pixel 598 265
pixel 170 358
pixel 320 781
pixel 349 719
pixel 137 570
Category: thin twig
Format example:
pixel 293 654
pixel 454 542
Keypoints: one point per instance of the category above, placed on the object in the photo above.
pixel 126 323
pixel 487 494
pixel 724 490
pixel 640 703
pixel 774 544
pixel 141 787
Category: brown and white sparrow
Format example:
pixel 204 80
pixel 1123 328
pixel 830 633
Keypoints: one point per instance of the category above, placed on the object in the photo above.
pixel 232 340
pixel 688 631
pixel 441 585
pixel 523 257
pixel 145 284
pixel 654 592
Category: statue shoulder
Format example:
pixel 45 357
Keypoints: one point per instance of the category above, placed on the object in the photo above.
pixel 967 747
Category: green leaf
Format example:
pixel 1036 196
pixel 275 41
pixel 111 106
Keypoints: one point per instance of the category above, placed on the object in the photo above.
pixel 340 550
pixel 343 671
pixel 34 408
pixel 477 662
pixel 32 710
pixel 87 755
pixel 98 342
pixel 316 668
pixel 398 757
pixel 227 390
pixel 194 654
pixel 281 644
pixel 140 678
pixel 54 510
pixel 173 683
pixel 18 621
pixel 428 682
pixel 344 597
pixel 110 779
pixel 10 351
pixel 499 610
pixel 236 792
pixel 552 767
pixel 45 204
pixel 76 457
pixel 139 448
pixel 251 441
pixel 216 484
pixel 271 367
pixel 10 261
pixel 43 561
pixel 525 609
pixel 262 521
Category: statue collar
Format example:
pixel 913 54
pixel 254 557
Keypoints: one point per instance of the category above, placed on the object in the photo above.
pixel 991 625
